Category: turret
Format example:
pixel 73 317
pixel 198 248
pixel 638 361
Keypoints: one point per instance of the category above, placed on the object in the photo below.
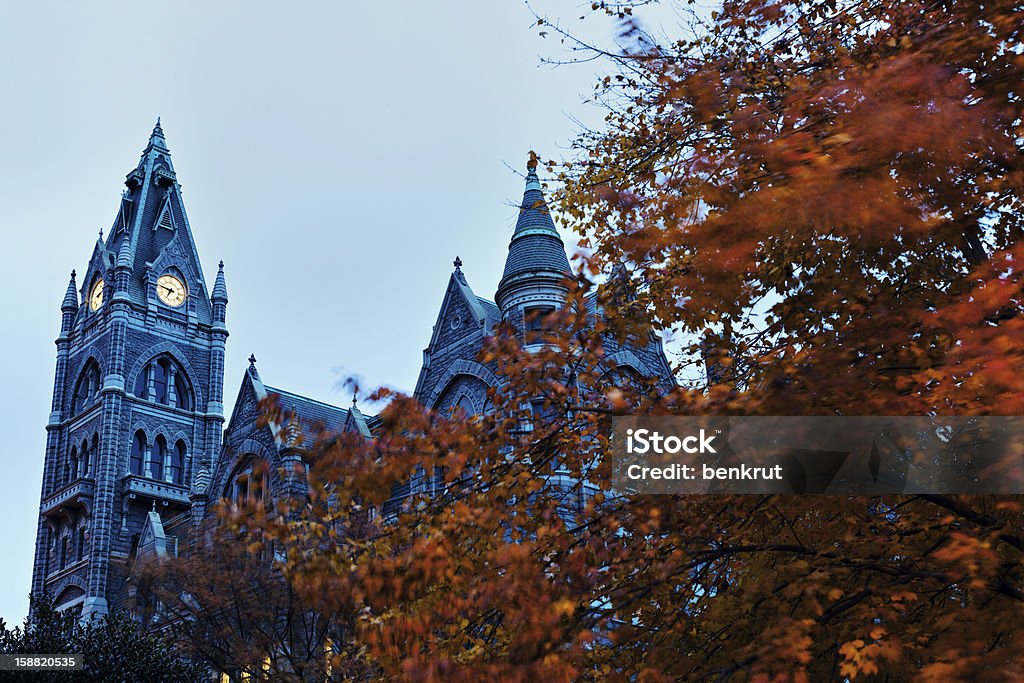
pixel 536 268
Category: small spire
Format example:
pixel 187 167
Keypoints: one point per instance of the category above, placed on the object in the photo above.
pixel 220 288
pixel 70 302
pixel 458 264
pixel 124 254
pixel 156 138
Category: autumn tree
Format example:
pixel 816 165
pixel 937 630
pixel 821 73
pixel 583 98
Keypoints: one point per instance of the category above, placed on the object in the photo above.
pixel 825 198
pixel 225 602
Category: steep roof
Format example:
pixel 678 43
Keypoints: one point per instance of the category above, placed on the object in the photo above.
pixel 535 244
pixel 313 415
pixel 151 227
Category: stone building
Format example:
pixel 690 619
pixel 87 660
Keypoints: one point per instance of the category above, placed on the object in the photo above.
pixel 137 446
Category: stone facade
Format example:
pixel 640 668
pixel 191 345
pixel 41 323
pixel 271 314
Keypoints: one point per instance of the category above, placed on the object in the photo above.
pixel 136 443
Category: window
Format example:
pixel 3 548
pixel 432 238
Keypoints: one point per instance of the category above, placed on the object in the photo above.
pixel 160 373
pixel 162 380
pixel 137 452
pixel 156 458
pixel 94 454
pixel 71 465
pixel 181 392
pixel 142 383
pixel 81 542
pixel 248 485
pixel 178 463
pixel 536 323
pixel 87 389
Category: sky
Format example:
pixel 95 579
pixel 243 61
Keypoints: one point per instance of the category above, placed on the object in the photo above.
pixel 336 156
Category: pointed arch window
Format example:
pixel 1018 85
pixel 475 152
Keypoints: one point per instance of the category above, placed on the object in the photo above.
pixel 81 542
pixel 163 381
pixel 94 454
pixel 83 461
pixel 156 458
pixel 87 389
pixel 71 465
pixel 137 453
pixel 177 467
pixel 465 406
pixel 161 373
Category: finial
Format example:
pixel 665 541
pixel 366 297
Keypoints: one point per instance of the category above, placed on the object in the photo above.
pixel 220 265
pixel 353 399
pixel 101 234
pixel 457 263
pixel 531 164
pixel 532 181
pixel 154 506
pixel 252 360
pixel 72 273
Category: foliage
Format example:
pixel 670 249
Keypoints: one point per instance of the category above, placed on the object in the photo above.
pixel 826 196
pixel 113 648
pixel 227 604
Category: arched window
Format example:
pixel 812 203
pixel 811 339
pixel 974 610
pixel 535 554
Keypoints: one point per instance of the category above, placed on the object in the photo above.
pixel 156 458
pixel 248 484
pixel 465 405
pixel 178 463
pixel 94 454
pixel 164 381
pixel 137 453
pixel 81 542
pixel 83 460
pixel 181 392
pixel 142 383
pixel 160 376
pixel 87 389
pixel 71 466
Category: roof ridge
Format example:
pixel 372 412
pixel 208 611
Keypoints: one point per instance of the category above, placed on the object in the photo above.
pixel 285 392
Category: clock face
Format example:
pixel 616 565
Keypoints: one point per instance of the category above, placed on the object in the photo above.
pixel 96 295
pixel 170 290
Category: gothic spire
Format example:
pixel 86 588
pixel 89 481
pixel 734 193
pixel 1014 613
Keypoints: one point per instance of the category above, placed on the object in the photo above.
pixel 124 254
pixel 70 302
pixel 156 138
pixel 220 289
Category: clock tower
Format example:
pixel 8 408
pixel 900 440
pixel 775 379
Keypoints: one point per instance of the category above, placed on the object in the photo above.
pixel 138 393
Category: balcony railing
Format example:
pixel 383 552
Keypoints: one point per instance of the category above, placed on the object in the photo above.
pixel 77 494
pixel 154 488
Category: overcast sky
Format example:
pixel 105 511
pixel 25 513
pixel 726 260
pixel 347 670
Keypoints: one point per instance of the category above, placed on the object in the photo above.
pixel 336 156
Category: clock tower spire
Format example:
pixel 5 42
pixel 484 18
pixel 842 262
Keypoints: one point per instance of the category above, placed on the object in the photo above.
pixel 138 392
